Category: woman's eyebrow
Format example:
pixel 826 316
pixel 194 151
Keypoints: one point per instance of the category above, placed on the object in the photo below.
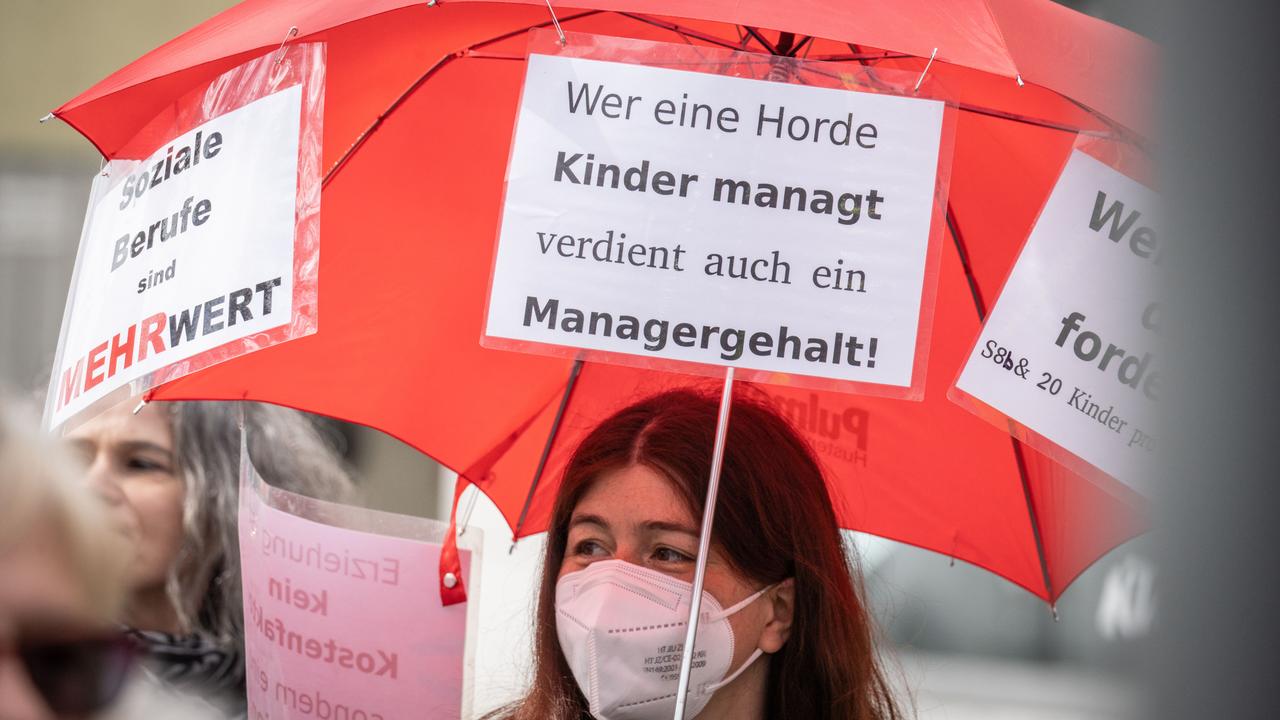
pixel 671 527
pixel 588 519
pixel 143 446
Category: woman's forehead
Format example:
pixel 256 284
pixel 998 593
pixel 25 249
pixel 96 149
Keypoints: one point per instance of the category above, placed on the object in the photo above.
pixel 634 495
pixel 121 424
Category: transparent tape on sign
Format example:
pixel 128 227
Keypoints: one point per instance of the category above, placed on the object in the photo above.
pixel 201 239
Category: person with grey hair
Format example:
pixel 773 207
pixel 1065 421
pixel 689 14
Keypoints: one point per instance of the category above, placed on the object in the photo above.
pixel 170 474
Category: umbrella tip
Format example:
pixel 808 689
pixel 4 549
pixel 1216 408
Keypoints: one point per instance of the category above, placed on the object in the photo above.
pixel 1053 608
pixel 46 118
pixel 1018 77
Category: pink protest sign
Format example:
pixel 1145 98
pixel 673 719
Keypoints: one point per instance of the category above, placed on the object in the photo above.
pixel 342 612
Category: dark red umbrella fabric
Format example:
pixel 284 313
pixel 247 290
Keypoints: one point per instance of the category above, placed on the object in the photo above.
pixel 420 103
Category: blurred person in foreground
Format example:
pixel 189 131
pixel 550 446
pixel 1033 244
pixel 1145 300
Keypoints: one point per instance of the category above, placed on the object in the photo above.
pixel 61 584
pixel 170 476
pixel 783 633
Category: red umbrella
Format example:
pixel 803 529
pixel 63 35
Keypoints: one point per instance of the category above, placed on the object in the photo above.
pixel 418 116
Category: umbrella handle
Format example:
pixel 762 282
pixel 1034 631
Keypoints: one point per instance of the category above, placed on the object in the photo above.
pixel 704 543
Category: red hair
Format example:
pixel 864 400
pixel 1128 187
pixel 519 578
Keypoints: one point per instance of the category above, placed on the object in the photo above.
pixel 773 521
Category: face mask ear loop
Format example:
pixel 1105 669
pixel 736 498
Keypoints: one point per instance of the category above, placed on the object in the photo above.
pixel 754 656
pixel 745 602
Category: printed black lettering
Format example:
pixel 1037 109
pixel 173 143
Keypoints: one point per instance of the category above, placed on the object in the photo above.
pixel 545 313
pixel 183 324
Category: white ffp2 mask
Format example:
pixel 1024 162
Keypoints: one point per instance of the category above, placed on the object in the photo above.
pixel 622 628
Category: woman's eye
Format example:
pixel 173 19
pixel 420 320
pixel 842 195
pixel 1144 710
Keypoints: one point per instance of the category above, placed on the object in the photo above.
pixel 669 555
pixel 144 464
pixel 589 548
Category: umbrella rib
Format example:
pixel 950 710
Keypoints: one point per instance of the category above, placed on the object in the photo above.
pixel 1122 132
pixel 981 306
pixel 1021 460
pixel 400 100
pixel 847 57
pixel 1013 117
pixel 377 122
pixel 795 51
pixel 760 39
pixel 1114 133
pixel 680 30
pixel 963 251
pixel 546 449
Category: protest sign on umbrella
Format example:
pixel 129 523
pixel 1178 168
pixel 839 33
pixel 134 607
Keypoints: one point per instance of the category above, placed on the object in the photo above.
pixel 1069 358
pixel 419 110
pixel 182 263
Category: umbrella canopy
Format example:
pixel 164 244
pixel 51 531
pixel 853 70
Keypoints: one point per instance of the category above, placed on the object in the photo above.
pixel 420 103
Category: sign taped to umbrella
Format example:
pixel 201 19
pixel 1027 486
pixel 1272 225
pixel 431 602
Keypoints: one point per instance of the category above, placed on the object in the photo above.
pixel 693 208
pixel 1068 359
pixel 343 617
pixel 201 239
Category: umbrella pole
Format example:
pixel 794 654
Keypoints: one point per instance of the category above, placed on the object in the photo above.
pixel 704 543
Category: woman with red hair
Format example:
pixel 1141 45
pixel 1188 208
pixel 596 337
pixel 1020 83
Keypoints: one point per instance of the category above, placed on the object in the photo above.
pixel 783 632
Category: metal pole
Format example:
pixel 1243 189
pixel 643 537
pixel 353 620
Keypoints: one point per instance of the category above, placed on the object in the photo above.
pixel 704 544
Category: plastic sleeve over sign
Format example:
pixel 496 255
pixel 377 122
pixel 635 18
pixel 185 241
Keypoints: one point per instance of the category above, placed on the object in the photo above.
pixel 1069 357
pixel 201 241
pixel 700 207
pixel 341 608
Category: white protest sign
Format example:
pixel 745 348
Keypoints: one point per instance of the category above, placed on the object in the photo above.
pixel 347 623
pixel 1069 350
pixel 183 252
pixel 672 215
